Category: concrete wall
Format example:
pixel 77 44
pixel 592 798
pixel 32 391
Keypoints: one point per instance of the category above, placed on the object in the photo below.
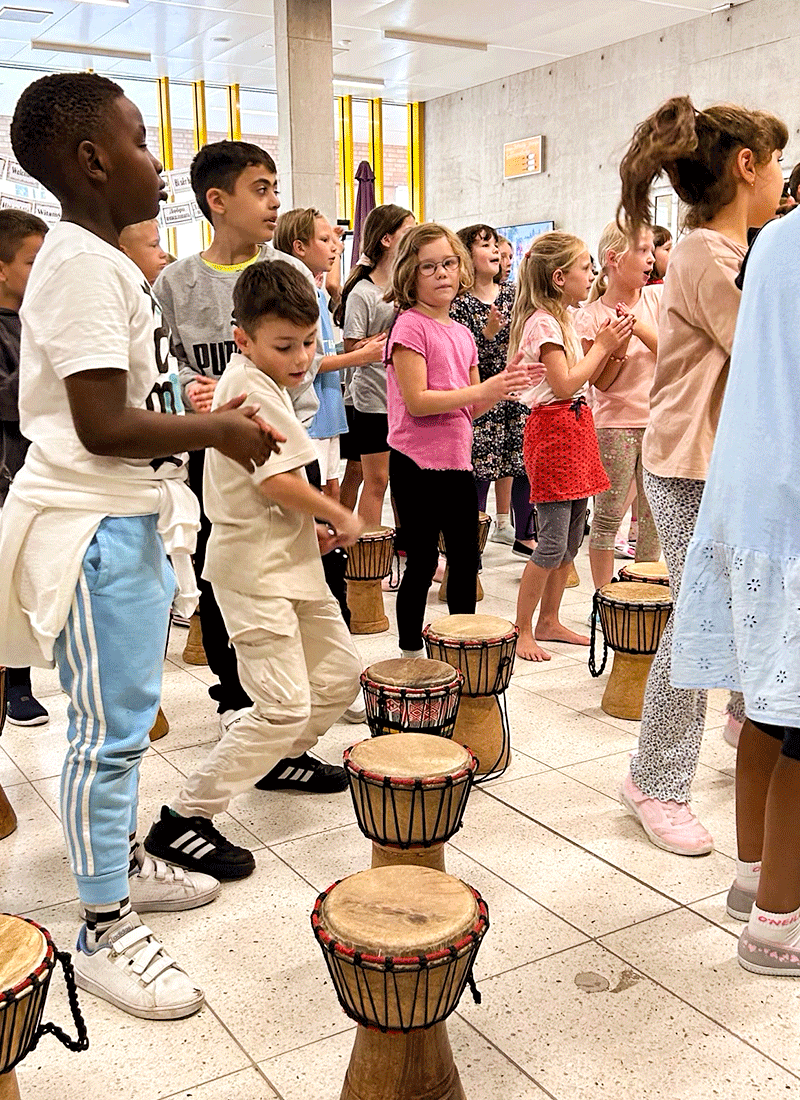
pixel 588 106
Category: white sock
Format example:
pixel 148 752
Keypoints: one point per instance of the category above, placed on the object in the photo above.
pixel 782 928
pixel 412 652
pixel 747 875
pixel 502 519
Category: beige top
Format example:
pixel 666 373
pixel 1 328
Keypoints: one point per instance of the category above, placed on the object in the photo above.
pixel 697 319
pixel 399 910
pixel 410 756
pixel 256 546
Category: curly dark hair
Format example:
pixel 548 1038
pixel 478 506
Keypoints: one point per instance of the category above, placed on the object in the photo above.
pixel 53 116
pixel 273 288
pixel 472 233
pixel 220 163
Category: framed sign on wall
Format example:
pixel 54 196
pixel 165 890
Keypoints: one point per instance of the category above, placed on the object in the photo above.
pixel 522 158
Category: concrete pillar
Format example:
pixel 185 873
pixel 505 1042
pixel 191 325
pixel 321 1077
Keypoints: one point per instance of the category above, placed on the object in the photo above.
pixel 304 75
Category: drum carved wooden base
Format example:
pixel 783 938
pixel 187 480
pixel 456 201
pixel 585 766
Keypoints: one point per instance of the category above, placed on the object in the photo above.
pixel 8 823
pixel 365 600
pixel 443 587
pixel 432 856
pixel 479 728
pixel 624 694
pixel 402 1067
pixel 9 1089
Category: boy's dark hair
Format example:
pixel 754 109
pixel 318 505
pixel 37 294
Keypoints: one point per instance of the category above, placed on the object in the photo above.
pixel 15 226
pixel 220 164
pixel 794 181
pixel 472 233
pixel 53 116
pixel 273 288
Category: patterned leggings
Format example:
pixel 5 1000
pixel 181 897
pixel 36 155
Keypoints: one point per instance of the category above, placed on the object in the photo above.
pixel 621 453
pixel 672 718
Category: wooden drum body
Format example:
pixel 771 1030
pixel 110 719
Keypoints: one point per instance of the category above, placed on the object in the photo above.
pixel 8 819
pixel 645 572
pixel 409 793
pixel 412 695
pixel 633 616
pixel 27 960
pixel 400 944
pixel 368 562
pixel 484 526
pixel 483 648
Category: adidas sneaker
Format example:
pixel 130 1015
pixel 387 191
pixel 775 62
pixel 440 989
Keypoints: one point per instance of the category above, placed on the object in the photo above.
pixel 194 843
pixel 307 774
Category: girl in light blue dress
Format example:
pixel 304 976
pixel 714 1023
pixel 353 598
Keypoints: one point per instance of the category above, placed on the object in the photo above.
pixel 737 620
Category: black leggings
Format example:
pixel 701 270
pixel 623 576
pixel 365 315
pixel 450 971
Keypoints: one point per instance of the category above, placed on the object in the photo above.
pixel 429 502
pixel 789 735
pixel 228 693
pixel 521 507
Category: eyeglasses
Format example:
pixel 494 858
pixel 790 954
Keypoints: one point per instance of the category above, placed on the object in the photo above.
pixel 449 263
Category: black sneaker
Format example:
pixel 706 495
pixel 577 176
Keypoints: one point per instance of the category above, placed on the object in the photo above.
pixel 520 549
pixel 194 843
pixel 304 773
pixel 24 709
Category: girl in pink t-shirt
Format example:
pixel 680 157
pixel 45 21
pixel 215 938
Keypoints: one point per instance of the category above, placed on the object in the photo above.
pixel 621 406
pixel 433 392
pixel 560 446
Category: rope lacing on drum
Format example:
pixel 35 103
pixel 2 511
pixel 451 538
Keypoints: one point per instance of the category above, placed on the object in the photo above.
pixel 82 1042
pixel 593 669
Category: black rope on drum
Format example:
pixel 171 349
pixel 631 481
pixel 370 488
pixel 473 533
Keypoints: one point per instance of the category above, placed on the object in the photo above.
pixel 593 669
pixel 82 1042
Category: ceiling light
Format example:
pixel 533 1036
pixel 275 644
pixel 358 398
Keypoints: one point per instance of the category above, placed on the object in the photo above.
pixel 361 81
pixel 221 38
pixel 24 15
pixel 433 40
pixel 87 49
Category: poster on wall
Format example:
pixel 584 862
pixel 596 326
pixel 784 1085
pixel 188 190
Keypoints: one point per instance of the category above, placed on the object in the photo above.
pixel 523 157
pixel 521 237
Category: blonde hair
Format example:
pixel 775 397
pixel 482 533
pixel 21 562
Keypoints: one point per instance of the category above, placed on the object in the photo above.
pixel 403 288
pixel 295 225
pixel 548 253
pixel 612 239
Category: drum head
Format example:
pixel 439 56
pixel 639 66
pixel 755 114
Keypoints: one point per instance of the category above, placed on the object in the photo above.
pixel 410 756
pixel 376 533
pixel 399 911
pixel 416 672
pixel 22 949
pixel 654 569
pixel 635 592
pixel 471 628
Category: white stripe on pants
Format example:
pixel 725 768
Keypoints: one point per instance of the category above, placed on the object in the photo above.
pixel 298 664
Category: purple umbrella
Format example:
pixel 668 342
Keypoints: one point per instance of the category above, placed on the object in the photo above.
pixel 365 201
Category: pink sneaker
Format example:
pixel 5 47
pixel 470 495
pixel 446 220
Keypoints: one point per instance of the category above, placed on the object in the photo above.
pixel 733 727
pixel 670 825
pixel 438 576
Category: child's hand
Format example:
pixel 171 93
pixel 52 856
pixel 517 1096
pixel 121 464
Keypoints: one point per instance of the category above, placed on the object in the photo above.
pixel 510 381
pixel 326 537
pixel 371 350
pixel 244 436
pixel 613 336
pixel 495 323
pixel 349 529
pixel 200 392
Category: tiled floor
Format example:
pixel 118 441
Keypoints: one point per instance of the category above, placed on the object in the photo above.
pixel 573 886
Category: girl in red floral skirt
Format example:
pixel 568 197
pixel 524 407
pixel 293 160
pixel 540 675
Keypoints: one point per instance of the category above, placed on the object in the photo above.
pixel 562 459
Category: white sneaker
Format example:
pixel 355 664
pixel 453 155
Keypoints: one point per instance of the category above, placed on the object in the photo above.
pixel 159 887
pixel 504 534
pixel 356 714
pixel 131 970
pixel 228 717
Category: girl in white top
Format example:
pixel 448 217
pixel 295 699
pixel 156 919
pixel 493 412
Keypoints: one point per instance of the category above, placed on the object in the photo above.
pixel 622 409
pixel 560 446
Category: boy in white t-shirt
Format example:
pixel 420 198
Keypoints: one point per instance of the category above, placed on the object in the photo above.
pixel 295 656
pixel 101 500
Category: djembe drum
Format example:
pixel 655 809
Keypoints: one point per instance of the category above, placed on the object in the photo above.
pixel 27 960
pixel 411 695
pixel 645 572
pixel 8 819
pixel 633 616
pixel 400 944
pixel 409 793
pixel 483 648
pixel 368 562
pixel 484 525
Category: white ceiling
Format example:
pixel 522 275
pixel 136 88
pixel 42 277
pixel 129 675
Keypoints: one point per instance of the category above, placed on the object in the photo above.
pixel 183 37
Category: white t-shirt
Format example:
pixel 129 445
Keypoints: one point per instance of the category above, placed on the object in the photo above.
pixel 88 307
pixel 257 547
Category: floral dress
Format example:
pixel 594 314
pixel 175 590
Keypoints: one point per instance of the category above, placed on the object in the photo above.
pixel 497 435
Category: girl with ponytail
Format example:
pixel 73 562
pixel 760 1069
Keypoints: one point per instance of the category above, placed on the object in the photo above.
pixel 723 162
